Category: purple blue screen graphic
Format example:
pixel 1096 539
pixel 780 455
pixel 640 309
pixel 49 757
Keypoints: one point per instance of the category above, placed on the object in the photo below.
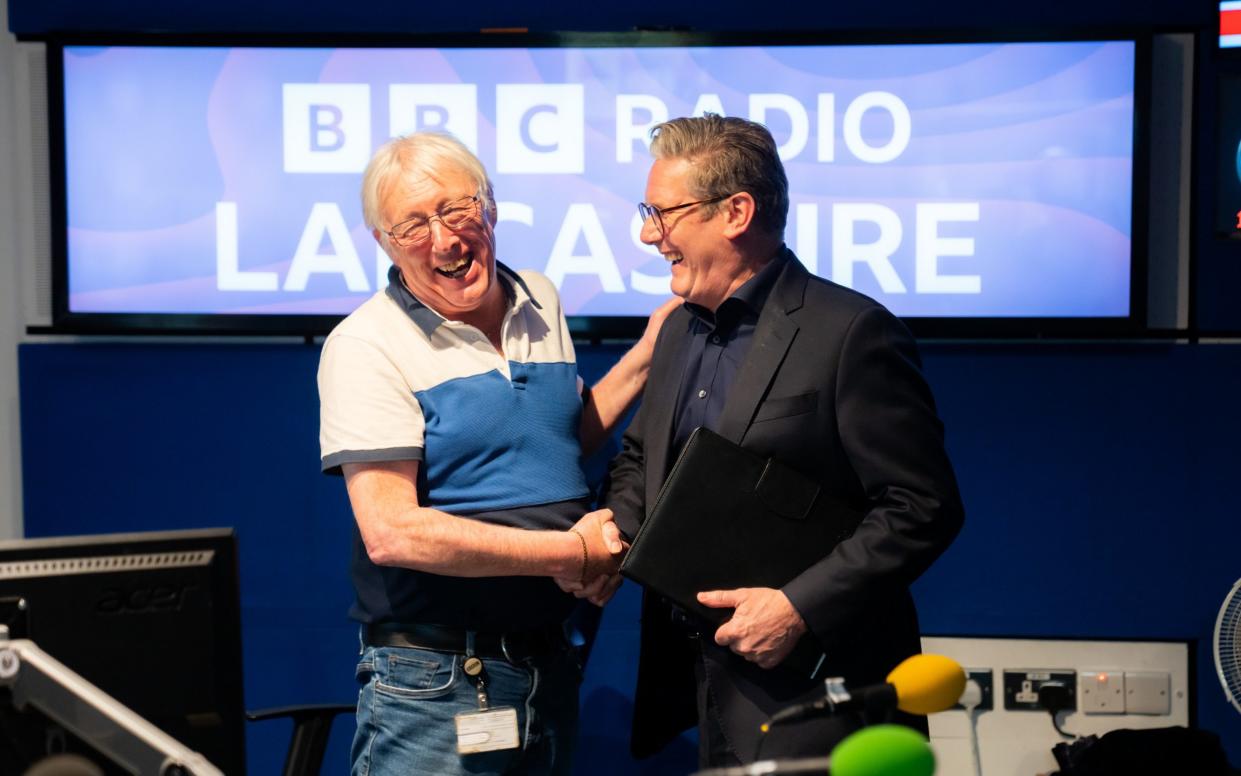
pixel 945 180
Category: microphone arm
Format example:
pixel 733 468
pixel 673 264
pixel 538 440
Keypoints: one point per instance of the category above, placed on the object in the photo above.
pixel 891 750
pixel 804 765
pixel 765 767
pixel 920 684
pixel 837 698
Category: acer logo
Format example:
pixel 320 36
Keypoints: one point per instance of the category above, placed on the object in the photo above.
pixel 136 600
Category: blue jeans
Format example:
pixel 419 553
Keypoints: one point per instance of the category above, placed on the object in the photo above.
pixel 409 698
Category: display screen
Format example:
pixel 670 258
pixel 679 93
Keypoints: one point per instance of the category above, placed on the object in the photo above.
pixel 972 180
pixel 1228 179
pixel 1230 24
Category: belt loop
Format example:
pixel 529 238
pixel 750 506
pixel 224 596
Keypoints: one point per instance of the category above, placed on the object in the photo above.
pixel 469 642
pixel 504 648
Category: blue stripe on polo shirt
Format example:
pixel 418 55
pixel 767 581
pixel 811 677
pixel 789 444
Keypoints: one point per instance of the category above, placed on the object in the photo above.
pixel 492 444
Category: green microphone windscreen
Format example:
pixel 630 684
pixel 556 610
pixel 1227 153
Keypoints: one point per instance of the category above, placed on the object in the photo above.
pixel 883 750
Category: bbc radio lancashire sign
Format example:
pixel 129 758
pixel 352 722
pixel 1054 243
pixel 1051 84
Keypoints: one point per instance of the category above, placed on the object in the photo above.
pixel 945 180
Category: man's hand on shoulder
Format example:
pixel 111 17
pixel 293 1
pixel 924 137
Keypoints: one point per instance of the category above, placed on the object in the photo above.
pixel 656 321
pixel 764 627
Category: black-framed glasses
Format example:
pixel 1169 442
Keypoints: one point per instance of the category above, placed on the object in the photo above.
pixel 647 212
pixel 455 215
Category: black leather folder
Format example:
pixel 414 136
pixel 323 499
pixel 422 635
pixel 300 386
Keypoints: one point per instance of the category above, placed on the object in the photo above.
pixel 728 518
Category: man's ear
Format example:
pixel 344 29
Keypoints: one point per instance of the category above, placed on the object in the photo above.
pixel 385 245
pixel 738 212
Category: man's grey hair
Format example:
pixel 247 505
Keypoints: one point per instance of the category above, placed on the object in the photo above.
pixel 728 155
pixel 430 154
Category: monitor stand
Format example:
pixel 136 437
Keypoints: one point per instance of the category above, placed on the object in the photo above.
pixel 35 678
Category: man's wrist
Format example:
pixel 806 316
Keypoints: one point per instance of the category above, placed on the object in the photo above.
pixel 799 627
pixel 581 577
pixel 636 362
pixel 567 555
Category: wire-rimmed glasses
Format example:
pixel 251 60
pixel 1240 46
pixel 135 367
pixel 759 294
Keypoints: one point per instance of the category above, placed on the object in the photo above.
pixel 455 215
pixel 647 212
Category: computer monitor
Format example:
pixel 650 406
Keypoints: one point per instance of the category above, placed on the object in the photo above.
pixel 152 619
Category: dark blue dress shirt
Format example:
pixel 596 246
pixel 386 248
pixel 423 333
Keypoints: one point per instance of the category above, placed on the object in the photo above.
pixel 718 345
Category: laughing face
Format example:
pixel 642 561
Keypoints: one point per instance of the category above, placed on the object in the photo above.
pixel 454 270
pixel 704 269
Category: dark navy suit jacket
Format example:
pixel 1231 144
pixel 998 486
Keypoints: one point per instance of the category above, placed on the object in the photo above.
pixel 832 385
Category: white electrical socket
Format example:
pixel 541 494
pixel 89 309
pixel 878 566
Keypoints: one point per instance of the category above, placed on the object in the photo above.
pixel 1101 690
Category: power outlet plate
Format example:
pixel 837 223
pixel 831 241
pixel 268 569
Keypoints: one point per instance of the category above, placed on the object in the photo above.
pixel 1148 692
pixel 1021 686
pixel 1102 691
pixel 987 683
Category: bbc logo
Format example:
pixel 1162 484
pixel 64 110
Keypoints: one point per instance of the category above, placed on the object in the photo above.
pixel 540 128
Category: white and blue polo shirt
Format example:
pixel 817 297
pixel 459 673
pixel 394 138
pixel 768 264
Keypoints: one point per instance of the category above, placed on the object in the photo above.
pixel 496 435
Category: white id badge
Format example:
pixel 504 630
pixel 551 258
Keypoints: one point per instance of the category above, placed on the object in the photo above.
pixel 487 731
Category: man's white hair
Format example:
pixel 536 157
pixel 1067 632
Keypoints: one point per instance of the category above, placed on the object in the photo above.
pixel 422 153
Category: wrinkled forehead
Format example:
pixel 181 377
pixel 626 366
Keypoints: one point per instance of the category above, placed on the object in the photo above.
pixel 421 188
pixel 670 181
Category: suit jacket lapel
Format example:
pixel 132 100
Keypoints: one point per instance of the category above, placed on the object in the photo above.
pixel 773 335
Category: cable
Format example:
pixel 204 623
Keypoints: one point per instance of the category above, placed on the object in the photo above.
pixel 1055 698
pixel 970 700
pixel 1056 724
pixel 975 753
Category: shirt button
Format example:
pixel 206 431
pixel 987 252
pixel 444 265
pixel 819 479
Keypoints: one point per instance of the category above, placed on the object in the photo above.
pixel 715 339
pixel 702 394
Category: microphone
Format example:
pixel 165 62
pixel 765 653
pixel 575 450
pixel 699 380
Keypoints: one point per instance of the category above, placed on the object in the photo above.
pixel 921 684
pixel 884 750
pixel 880 750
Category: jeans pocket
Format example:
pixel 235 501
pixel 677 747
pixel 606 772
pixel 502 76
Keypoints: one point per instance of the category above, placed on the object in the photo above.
pixel 415 673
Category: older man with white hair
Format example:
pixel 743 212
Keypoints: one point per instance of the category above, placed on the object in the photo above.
pixel 452 405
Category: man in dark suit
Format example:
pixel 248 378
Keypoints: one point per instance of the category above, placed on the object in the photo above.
pixel 800 369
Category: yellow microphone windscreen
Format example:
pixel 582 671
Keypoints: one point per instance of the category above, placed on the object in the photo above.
pixel 926 684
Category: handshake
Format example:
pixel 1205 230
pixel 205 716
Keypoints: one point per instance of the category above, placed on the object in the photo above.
pixel 601 550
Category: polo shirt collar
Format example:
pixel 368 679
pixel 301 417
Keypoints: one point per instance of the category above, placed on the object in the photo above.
pixel 515 291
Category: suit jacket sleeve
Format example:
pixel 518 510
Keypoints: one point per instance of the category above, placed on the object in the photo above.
pixel 623 490
pixel 894 442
